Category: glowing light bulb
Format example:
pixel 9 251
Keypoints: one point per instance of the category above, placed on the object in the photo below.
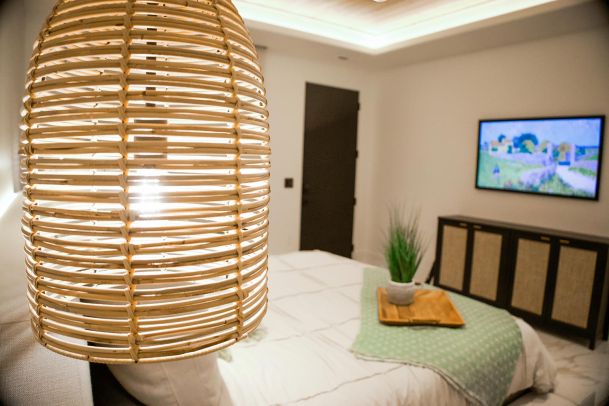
pixel 148 192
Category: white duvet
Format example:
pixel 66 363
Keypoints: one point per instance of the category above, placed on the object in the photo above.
pixel 300 354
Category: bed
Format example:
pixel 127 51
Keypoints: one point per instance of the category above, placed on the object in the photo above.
pixel 300 354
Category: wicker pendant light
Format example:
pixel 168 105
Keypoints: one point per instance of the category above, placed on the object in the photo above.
pixel 145 160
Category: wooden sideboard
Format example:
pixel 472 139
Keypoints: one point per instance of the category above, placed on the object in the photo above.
pixel 554 279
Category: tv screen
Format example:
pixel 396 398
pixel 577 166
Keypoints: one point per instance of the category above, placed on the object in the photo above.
pixel 559 156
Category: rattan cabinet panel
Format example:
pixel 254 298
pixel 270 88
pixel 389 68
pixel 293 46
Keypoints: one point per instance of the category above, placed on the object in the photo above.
pixel 453 257
pixel 574 283
pixel 486 264
pixel 530 273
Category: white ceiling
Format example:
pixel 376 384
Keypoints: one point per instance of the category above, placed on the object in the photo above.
pixel 374 28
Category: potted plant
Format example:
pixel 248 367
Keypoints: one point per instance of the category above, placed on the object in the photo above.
pixel 403 251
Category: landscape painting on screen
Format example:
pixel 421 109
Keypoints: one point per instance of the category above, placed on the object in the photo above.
pixel 557 156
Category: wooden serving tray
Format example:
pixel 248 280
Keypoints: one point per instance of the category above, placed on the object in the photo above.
pixel 430 307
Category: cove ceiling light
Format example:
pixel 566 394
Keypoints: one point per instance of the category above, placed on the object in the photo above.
pixel 373 28
pixel 145 163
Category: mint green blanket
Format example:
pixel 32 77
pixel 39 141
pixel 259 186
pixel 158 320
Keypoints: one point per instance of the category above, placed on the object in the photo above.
pixel 478 359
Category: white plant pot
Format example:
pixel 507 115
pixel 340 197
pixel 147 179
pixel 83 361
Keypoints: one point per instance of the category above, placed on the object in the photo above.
pixel 401 294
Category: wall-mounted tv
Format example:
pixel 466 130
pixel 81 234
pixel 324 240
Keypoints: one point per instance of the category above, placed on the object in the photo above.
pixel 558 156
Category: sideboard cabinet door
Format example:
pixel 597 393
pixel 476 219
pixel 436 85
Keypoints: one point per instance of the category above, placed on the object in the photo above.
pixel 530 273
pixel 577 267
pixel 452 255
pixel 488 245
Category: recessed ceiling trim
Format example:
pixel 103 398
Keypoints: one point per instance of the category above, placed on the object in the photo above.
pixel 281 21
pixel 396 32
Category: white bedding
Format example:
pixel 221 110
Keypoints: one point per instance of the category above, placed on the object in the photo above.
pixel 303 356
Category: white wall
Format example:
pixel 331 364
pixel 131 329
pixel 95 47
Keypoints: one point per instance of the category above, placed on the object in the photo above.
pixel 428 129
pixel 285 78
pixel 408 114
pixel 20 22
pixel 12 76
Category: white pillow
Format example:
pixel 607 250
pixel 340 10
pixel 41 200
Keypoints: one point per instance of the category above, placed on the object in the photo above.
pixel 193 381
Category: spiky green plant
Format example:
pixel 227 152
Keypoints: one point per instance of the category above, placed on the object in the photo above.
pixel 404 248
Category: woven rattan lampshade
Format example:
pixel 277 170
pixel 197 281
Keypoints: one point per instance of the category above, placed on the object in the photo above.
pixel 145 163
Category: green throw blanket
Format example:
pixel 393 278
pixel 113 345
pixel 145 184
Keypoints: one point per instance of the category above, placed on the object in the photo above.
pixel 478 359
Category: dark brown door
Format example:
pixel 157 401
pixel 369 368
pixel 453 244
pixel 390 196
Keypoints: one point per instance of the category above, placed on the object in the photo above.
pixel 328 187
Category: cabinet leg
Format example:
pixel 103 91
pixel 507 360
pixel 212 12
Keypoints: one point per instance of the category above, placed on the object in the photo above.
pixel 592 345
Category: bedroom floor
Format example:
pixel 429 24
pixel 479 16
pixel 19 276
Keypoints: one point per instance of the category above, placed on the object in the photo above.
pixel 583 375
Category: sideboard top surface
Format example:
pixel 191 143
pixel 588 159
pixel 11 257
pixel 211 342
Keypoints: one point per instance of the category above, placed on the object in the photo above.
pixel 531 229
